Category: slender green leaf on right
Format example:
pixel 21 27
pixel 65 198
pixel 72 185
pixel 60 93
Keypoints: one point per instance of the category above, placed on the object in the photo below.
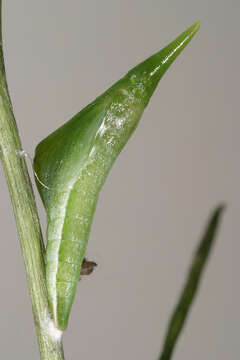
pixel 181 311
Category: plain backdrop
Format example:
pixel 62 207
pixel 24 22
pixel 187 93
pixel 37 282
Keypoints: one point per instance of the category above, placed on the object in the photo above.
pixel 182 161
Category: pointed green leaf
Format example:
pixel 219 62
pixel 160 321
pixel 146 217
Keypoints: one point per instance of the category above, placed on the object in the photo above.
pixel 181 311
pixel 72 163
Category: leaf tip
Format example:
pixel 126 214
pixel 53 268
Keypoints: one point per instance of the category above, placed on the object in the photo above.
pixel 220 209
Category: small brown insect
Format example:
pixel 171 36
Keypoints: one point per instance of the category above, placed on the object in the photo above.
pixel 87 267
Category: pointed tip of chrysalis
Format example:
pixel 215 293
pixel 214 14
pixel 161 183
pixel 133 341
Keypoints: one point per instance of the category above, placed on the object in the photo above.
pixel 196 25
pixel 148 73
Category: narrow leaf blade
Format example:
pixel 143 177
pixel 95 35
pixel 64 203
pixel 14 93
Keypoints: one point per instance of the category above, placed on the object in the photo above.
pixel 189 291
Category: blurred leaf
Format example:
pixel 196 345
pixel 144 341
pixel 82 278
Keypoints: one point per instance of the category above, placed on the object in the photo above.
pixel 180 314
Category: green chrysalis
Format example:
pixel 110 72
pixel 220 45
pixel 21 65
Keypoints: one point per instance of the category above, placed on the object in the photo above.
pixel 73 162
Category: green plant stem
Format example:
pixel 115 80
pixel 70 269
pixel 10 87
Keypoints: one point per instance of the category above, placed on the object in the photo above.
pixel 27 221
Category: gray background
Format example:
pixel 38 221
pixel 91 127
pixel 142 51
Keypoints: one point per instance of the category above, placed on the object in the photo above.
pixel 181 162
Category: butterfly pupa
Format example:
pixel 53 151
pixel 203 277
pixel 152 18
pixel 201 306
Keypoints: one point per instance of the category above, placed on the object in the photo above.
pixel 73 163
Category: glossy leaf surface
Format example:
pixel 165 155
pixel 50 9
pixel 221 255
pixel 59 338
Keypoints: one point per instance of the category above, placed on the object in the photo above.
pixel 72 163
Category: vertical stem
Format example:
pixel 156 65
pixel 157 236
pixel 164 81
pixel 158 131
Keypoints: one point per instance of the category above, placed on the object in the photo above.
pixel 27 221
